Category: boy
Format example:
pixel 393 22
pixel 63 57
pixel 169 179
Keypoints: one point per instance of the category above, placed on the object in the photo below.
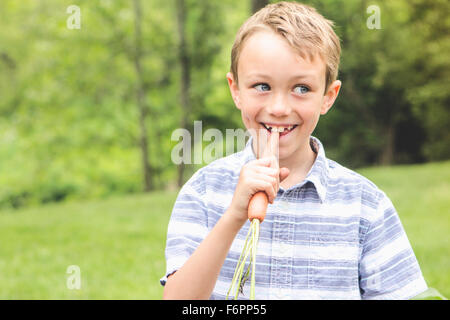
pixel 329 233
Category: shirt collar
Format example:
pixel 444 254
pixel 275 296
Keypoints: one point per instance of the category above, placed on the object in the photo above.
pixel 317 175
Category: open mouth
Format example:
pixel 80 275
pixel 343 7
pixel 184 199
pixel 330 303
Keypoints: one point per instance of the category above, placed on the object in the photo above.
pixel 283 130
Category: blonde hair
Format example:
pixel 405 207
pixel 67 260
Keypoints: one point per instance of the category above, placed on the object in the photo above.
pixel 306 30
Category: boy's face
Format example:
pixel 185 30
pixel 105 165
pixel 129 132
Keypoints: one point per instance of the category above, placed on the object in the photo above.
pixel 277 87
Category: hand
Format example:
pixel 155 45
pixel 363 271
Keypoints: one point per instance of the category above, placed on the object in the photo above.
pixel 256 175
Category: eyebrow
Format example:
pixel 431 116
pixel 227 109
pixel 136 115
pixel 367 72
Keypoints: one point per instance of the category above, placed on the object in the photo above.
pixel 298 76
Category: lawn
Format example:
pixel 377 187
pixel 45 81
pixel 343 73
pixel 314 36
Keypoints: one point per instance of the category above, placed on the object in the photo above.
pixel 118 243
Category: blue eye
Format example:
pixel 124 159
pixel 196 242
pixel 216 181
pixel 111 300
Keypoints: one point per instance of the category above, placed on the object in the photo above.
pixel 262 87
pixel 301 89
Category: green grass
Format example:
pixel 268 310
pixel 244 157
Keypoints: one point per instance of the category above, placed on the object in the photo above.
pixel 118 243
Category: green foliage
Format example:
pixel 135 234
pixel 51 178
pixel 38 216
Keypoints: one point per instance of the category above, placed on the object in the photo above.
pixel 393 84
pixel 429 94
pixel 69 122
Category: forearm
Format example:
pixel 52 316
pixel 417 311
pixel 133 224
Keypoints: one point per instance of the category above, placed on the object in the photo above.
pixel 198 276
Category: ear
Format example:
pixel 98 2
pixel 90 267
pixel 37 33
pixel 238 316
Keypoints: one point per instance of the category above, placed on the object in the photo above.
pixel 234 89
pixel 330 96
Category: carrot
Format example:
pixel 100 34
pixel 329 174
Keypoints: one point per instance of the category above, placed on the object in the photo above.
pixel 257 206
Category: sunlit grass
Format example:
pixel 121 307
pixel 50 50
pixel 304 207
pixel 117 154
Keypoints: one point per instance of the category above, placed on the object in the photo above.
pixel 117 243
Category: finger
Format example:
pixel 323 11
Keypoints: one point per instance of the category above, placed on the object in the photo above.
pixel 274 162
pixel 262 141
pixel 265 182
pixel 261 162
pixel 263 177
pixel 272 145
pixel 267 171
pixel 266 162
pixel 269 190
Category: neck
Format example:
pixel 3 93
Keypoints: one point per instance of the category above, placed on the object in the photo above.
pixel 298 164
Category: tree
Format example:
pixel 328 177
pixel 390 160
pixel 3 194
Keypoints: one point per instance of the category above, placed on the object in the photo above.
pixel 427 88
pixel 373 121
pixel 140 96
pixel 198 26
pixel 185 77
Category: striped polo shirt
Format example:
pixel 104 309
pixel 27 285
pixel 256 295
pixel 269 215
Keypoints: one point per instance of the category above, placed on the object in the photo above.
pixel 334 235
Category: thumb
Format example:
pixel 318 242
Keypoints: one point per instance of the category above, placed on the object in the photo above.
pixel 284 172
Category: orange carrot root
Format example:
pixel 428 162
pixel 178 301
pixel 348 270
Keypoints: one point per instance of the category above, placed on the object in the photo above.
pixel 257 206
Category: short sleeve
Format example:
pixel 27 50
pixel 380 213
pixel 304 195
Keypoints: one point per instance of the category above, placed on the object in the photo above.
pixel 388 267
pixel 187 225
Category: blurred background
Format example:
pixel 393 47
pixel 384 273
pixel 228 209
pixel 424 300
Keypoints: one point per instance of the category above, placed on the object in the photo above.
pixel 90 96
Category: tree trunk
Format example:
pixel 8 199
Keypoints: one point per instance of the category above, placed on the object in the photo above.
pixel 184 61
pixel 387 156
pixel 258 4
pixel 140 98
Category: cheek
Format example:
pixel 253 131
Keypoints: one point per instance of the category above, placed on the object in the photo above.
pixel 248 118
pixel 309 117
pixel 308 114
pixel 313 120
pixel 245 119
pixel 250 110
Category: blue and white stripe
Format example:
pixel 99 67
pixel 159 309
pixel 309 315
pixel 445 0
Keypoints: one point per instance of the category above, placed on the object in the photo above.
pixel 334 235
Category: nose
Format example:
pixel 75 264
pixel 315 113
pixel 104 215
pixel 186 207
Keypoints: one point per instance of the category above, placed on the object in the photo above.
pixel 279 106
